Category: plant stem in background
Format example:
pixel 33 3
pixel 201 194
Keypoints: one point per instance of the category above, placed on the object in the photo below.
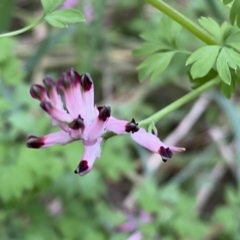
pixel 178 103
pixel 183 21
pixel 17 32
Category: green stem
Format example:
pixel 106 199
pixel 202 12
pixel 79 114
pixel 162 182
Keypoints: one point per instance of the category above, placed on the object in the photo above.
pixel 178 103
pixel 183 21
pixel 17 32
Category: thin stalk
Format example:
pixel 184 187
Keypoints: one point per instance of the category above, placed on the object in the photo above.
pixel 17 32
pixel 180 102
pixel 183 21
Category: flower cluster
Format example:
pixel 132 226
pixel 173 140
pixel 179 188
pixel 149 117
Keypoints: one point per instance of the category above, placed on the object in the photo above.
pixel 69 102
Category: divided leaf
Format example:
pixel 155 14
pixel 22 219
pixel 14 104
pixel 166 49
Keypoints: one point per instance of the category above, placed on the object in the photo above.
pixel 162 45
pixel 154 65
pixel 50 5
pixel 228 31
pixel 211 26
pixel 10 66
pixel 60 18
pixel 227 58
pixel 235 13
pixel 203 60
pixel 233 40
pixel 170 28
pixel 149 48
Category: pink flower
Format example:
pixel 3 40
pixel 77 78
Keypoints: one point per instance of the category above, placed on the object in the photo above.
pixel 69 102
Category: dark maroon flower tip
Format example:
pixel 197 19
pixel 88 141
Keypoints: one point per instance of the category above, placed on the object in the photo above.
pixel 164 159
pixel 77 123
pixel 104 113
pixel 132 126
pixel 34 142
pixel 67 81
pixel 46 106
pixel 86 82
pixel 49 83
pixel 37 91
pixel 75 76
pixel 82 167
pixel 165 152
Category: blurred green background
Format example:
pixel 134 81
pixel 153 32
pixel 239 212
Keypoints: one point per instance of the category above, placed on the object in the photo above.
pixel 192 196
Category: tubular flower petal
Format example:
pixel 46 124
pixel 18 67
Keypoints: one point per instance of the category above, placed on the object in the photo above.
pixel 55 113
pixel 121 126
pixel 38 92
pixel 154 144
pixel 51 88
pixel 77 128
pixel 69 102
pixel 89 156
pixel 88 96
pixel 98 127
pixel 49 140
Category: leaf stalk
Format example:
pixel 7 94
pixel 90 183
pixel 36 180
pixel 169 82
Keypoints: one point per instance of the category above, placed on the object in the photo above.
pixel 22 30
pixel 183 21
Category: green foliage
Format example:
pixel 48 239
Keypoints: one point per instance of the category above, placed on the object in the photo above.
pixel 154 65
pixel 207 62
pixel 211 26
pixel 6 9
pixel 222 59
pixel 212 74
pixel 50 5
pixel 60 18
pixel 114 162
pixel 10 70
pixel 227 1
pixel 226 217
pixel 203 60
pixel 234 13
pixel 227 59
pixel 26 173
pixel 161 44
pixel 170 206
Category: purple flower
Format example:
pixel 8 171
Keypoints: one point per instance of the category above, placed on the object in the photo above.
pixel 70 4
pixel 69 102
pixel 88 12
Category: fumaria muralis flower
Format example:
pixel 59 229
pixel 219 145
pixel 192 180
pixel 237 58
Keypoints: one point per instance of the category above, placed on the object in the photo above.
pixel 69 102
